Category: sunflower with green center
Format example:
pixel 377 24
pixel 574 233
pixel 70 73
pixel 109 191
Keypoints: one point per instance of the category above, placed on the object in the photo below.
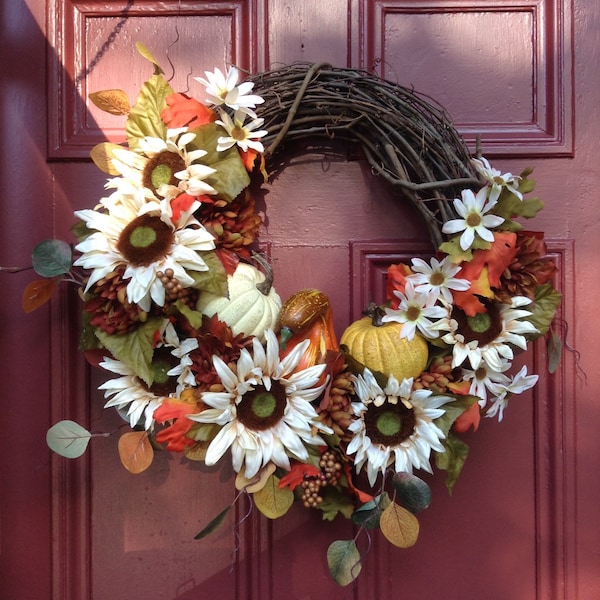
pixel 395 426
pixel 166 167
pixel 143 237
pixel 265 410
pixel 135 400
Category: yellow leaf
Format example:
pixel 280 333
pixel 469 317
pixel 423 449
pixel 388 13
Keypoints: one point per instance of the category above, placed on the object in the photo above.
pixel 102 155
pixel 114 102
pixel 197 451
pixel 257 482
pixel 272 501
pixel 399 526
pixel 135 451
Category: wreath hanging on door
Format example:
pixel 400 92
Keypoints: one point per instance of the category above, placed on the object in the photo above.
pixel 206 358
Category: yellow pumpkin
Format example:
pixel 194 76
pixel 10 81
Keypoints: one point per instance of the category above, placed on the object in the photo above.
pixel 251 308
pixel 380 348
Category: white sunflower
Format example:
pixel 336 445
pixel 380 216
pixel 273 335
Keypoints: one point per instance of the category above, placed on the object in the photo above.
pixel 142 236
pixel 473 219
pixel 132 397
pixel 265 411
pixel 166 168
pixel 395 426
pixel 489 336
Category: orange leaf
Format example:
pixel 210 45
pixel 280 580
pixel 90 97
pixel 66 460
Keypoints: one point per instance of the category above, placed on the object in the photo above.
pixel 135 451
pixel 183 111
pixel 484 272
pixel 36 293
pixel 176 410
pixel 297 473
pixel 469 418
pixel 396 280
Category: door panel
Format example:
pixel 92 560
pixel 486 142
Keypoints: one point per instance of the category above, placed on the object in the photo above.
pixel 72 530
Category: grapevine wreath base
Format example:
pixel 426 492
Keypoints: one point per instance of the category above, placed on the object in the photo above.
pixel 207 360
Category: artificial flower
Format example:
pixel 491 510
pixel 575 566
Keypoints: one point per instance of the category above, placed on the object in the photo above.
pixel 223 89
pixel 141 236
pixel 489 336
pixel 473 209
pixel 265 410
pixel 138 400
pixel 415 311
pixel 496 179
pixel 244 135
pixel 437 278
pixel 517 385
pixel 395 426
pixel 166 167
pixel 484 379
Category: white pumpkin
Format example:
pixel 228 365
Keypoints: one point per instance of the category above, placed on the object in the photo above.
pixel 247 310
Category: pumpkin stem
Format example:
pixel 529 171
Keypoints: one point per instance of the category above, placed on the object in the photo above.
pixel 264 287
pixel 376 313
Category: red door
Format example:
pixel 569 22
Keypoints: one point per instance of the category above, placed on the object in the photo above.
pixel 521 522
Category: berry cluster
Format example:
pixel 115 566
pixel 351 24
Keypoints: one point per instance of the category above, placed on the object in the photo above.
pixel 331 470
pixel 173 288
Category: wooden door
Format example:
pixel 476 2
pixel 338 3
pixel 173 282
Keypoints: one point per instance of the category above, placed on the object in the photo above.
pixel 521 522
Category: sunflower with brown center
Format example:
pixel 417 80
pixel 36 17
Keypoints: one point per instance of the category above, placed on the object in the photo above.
pixel 394 426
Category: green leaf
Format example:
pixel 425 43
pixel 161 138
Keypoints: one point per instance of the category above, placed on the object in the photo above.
pixel 231 177
pixel 67 438
pixel 214 524
pixel 526 185
pixel 411 492
pixel 335 502
pixel 344 561
pixel 144 118
pixel 453 459
pixel 453 410
pixel 214 280
pixel 273 501
pixel 545 303
pixel 51 258
pixel 369 513
pixel 554 352
pixel 194 317
pixel 457 254
pixel 135 349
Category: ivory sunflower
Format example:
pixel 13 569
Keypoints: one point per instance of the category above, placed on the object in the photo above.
pixel 137 401
pixel 264 412
pixel 489 336
pixel 166 167
pixel 395 426
pixel 142 236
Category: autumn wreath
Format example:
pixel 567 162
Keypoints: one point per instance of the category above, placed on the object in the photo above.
pixel 206 359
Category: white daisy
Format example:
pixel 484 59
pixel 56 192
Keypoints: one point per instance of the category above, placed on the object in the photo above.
pixel 496 179
pixel 244 136
pixel 415 311
pixel 394 426
pixel 265 412
pixel 473 208
pixel 484 379
pixel 137 401
pixel 519 383
pixel 438 278
pixel 223 89
pixel 142 236
pixel 165 167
